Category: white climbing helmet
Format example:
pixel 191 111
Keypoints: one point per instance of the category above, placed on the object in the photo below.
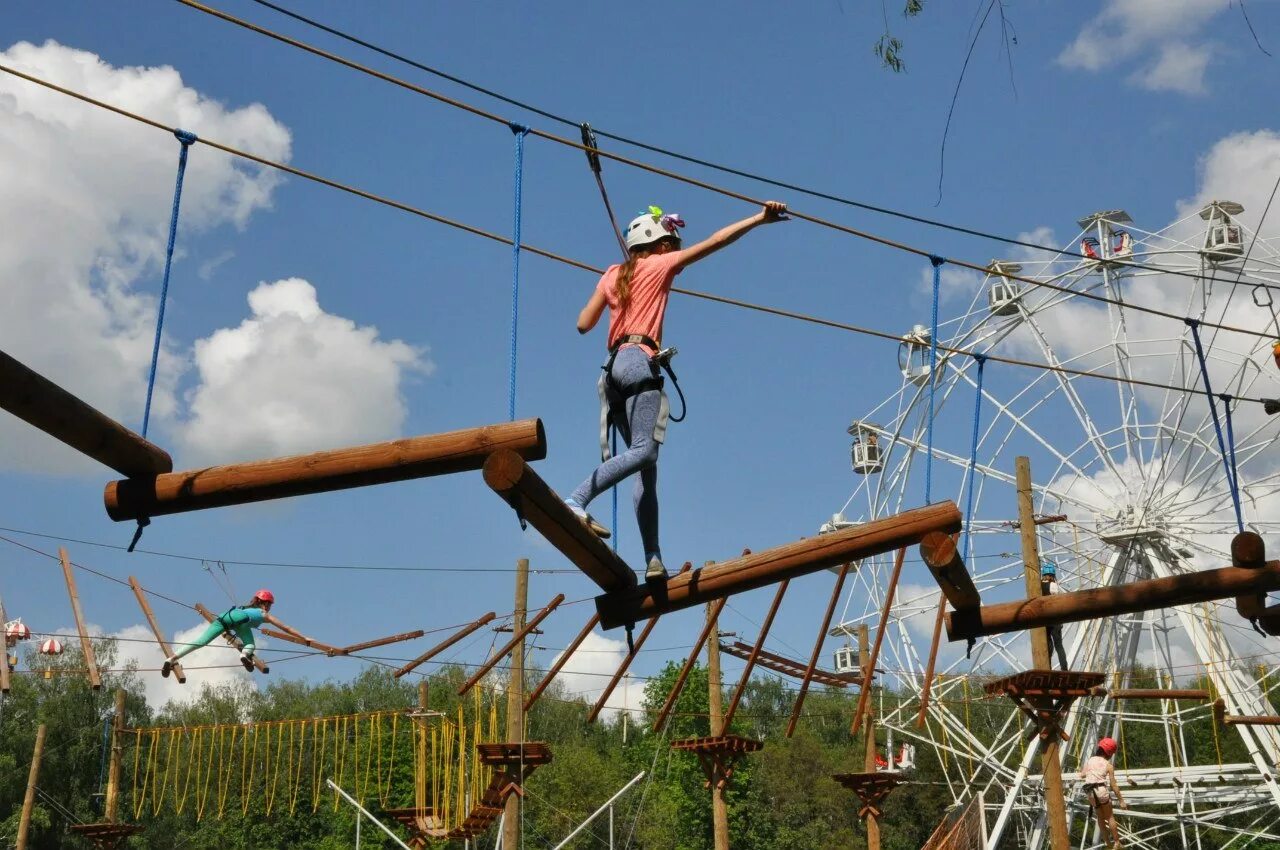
pixel 652 225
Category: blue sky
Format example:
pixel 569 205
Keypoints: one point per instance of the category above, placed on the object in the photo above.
pixel 1113 108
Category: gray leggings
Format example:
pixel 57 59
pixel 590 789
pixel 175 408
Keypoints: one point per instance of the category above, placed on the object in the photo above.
pixel 637 429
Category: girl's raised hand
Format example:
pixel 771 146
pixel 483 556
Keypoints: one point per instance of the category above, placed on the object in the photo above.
pixel 774 211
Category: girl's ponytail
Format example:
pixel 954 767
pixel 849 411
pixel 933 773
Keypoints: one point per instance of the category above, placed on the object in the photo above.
pixel 625 271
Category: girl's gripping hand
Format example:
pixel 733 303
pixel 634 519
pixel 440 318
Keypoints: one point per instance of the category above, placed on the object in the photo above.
pixel 774 211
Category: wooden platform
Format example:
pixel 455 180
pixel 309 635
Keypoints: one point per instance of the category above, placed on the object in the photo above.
pixel 871 788
pixel 718 755
pixel 1046 683
pixel 787 666
pixel 106 835
pixel 1045 696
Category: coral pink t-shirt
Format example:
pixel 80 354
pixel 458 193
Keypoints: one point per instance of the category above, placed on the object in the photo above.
pixel 647 304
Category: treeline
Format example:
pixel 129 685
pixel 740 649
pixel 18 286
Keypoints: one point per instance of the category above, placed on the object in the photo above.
pixel 781 796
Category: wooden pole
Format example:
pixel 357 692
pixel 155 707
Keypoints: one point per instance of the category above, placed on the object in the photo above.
pixel 817 649
pixel 515 700
pixel 1031 562
pixel 510 477
pixel 313 644
pixel 1050 761
pixel 382 641
pixel 86 645
pixel 4 655
pixel 869 727
pixel 113 764
pixel 155 629
pixel 444 644
pixel 707 628
pixel 519 635
pixel 755 653
pixel 622 669
pixel 1249 551
pixel 322 472
pixel 773 565
pixel 719 810
pixel 209 616
pixel 561 661
pixel 29 799
pixel 39 401
pixel 927 687
pixel 889 593
pixel 1183 589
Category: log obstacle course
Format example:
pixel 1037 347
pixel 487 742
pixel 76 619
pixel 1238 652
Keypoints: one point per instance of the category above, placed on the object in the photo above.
pixel 718 755
pixel 322 472
pixel 155 629
pixel 1045 696
pixel 786 666
pixel 42 403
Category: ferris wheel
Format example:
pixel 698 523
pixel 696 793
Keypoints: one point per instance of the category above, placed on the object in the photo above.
pixel 1131 483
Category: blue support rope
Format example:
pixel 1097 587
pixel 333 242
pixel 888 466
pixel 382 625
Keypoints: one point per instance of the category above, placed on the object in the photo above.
pixel 937 262
pixel 1228 456
pixel 973 454
pixel 185 140
pixel 1234 470
pixel 520 132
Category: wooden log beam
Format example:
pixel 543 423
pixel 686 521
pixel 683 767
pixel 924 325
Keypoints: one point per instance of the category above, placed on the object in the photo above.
pixel 1152 693
pixel 4 655
pixel 322 472
pixel 622 669
pixel 926 689
pixel 382 641
pixel 512 479
pixel 870 670
pixel 209 616
pixel 1220 714
pixel 86 645
pixel 515 638
pixel 1185 589
pixel 155 629
pixel 445 644
pixel 773 565
pixel 942 557
pixel 1249 551
pixel 313 644
pixel 42 403
pixel 561 661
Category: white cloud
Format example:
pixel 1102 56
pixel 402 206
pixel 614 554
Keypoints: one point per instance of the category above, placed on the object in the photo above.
pixel 1156 34
pixel 85 212
pixel 1179 68
pixel 588 671
pixel 294 378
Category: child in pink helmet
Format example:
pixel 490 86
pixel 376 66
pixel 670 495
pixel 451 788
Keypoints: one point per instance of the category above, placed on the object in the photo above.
pixel 1099 782
pixel 239 622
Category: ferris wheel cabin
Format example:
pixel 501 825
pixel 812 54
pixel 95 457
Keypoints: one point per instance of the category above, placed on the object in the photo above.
pixel 1003 293
pixel 913 354
pixel 865 451
pixel 1105 242
pixel 1223 238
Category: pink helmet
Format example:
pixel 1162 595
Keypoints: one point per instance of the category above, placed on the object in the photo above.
pixel 1108 746
pixel 265 596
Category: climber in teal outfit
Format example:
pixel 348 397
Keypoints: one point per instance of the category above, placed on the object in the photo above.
pixel 240 623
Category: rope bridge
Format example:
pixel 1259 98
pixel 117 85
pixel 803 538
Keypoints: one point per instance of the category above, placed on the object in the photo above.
pixel 438 775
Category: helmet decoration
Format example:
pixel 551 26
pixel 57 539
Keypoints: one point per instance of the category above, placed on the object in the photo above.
pixel 1048 568
pixel 1108 746
pixel 652 225
pixel 52 646
pixel 264 595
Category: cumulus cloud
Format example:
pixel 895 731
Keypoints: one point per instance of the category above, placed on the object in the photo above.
pixel 293 378
pixel 1156 35
pixel 215 665
pixel 589 668
pixel 85 213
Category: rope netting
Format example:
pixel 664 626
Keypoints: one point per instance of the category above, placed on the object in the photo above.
pixel 962 829
pixel 394 758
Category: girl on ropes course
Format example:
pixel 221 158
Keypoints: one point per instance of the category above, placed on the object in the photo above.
pixel 239 622
pixel 1048 587
pixel 631 389
pixel 1099 782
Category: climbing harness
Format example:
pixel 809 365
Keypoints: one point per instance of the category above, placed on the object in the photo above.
pixel 613 398
pixel 593 159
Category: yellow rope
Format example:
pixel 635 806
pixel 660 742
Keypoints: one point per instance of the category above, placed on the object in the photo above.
pixel 967 727
pixel 1213 720
pixel 137 758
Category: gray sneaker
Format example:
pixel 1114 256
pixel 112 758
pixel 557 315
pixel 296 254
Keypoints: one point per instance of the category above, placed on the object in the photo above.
pixel 656 571
pixel 596 528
